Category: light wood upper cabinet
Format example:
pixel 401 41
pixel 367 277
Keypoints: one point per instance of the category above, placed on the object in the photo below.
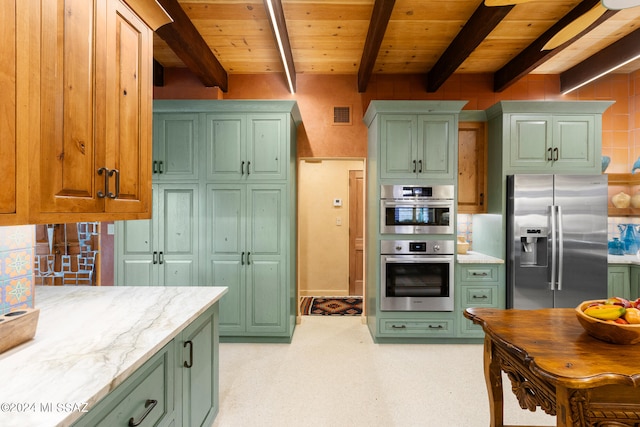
pixel 94 154
pixel 472 160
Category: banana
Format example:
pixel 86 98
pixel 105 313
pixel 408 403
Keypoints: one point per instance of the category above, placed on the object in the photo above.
pixel 605 311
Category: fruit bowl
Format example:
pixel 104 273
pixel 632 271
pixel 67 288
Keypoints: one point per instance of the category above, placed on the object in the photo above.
pixel 605 330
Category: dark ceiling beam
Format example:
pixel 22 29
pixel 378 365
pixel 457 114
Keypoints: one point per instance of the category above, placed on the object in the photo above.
pixel 477 28
pixel 187 43
pixel 158 74
pixel 533 56
pixel 377 26
pixel 280 33
pixel 614 55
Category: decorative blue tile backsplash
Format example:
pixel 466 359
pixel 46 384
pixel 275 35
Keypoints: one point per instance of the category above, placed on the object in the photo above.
pixel 16 267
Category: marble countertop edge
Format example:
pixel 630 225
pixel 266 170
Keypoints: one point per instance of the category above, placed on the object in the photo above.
pixel 472 257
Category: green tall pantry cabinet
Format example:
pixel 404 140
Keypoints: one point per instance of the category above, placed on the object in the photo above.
pixel 239 158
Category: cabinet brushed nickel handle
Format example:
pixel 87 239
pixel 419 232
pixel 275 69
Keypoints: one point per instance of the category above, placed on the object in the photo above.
pixel 155 257
pixel 104 171
pixel 189 364
pixel 420 166
pixel 414 166
pixel 115 195
pixel 549 158
pixel 149 405
pixel 555 154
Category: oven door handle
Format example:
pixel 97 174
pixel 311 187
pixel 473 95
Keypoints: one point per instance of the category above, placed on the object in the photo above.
pixel 422 260
pixel 410 204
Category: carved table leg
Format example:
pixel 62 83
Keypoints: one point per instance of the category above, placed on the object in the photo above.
pixel 493 378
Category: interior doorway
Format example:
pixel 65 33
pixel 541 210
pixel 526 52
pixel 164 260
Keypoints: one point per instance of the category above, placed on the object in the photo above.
pixel 330 227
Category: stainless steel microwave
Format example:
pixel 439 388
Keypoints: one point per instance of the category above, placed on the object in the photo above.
pixel 416 209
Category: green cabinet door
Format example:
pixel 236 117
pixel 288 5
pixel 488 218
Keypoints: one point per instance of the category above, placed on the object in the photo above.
pixel 618 282
pixel 531 146
pixel 436 149
pixel 398 149
pixel 199 364
pixel 162 251
pixel 267 147
pixel 175 146
pixel 574 141
pixel 225 253
pixel 226 147
pixel 634 278
pixel 266 259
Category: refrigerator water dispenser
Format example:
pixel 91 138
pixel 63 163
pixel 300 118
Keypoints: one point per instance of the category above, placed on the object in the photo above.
pixel 533 246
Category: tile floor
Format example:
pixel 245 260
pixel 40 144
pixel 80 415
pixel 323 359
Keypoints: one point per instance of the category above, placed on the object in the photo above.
pixel 332 374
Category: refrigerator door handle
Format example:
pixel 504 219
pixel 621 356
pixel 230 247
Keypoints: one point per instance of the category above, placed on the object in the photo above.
pixel 554 254
pixel 560 247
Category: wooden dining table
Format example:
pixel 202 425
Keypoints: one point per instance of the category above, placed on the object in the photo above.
pixel 554 365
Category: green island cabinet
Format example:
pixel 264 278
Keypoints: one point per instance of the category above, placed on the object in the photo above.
pixel 624 281
pixel 409 142
pixel 177 386
pixel 224 212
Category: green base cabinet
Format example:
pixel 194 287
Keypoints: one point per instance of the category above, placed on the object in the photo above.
pixel 619 282
pixel 478 285
pixel 176 386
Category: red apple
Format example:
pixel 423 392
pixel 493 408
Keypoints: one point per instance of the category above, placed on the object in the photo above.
pixel 618 301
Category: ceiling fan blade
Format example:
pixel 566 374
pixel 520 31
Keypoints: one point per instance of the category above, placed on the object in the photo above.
pixel 620 4
pixel 491 3
pixel 575 27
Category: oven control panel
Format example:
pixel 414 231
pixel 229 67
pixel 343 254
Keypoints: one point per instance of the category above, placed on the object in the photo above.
pixel 408 247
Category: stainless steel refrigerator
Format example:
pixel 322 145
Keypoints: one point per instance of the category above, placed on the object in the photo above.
pixel 556 240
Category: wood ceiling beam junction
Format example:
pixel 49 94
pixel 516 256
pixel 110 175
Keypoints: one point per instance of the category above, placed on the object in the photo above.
pixel 281 35
pixel 611 57
pixel 187 43
pixel 477 28
pixel 533 56
pixel 377 27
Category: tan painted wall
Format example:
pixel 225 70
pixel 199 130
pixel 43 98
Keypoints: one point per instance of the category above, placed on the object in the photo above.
pixel 323 245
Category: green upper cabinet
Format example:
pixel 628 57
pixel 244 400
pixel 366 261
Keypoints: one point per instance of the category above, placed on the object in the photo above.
pixel 546 142
pixel 418 146
pixel 175 146
pixel 247 147
pixel 546 136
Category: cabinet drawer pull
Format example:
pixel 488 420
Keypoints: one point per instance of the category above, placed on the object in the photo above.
pixel 480 297
pixel 104 171
pixel 435 327
pixel 483 274
pixel 149 405
pixel 419 166
pixel 115 195
pixel 399 327
pixel 189 364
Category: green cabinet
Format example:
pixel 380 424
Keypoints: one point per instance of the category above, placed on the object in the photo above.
pixel 176 386
pixel 162 251
pixel 248 147
pixel 618 281
pixel 175 146
pixel 247 251
pixel 417 146
pixel 553 142
pixel 478 285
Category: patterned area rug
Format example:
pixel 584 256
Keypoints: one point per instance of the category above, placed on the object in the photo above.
pixel 331 306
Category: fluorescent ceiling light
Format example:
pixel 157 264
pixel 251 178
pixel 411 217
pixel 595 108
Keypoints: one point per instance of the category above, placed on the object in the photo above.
pixel 276 30
pixel 610 70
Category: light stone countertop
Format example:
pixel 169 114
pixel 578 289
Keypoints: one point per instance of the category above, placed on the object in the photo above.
pixel 623 259
pixel 89 340
pixel 472 257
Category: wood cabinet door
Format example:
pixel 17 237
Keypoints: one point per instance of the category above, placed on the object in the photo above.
pixel 472 160
pixel 128 103
pixel 8 79
pixel 436 149
pixel 68 159
pixel 398 146
pixel 175 146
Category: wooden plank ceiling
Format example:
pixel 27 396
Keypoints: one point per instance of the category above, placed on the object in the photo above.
pixel 365 37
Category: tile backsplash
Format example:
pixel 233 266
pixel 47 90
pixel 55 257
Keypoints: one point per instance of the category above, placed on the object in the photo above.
pixel 16 267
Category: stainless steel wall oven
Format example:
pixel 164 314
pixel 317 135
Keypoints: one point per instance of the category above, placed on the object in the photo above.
pixel 414 209
pixel 417 275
